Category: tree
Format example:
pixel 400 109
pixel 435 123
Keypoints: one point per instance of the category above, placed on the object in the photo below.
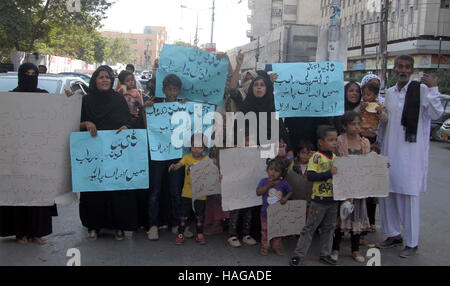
pixel 118 50
pixel 28 24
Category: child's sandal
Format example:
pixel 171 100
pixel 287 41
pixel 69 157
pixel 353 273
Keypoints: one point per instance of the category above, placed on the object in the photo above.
pixel 264 251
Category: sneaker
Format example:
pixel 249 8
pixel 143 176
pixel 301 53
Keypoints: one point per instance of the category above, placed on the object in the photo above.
pixel 409 251
pixel 234 241
pixel 92 235
pixel 359 258
pixel 152 234
pixel 335 256
pixel 328 260
pixel 120 235
pixel 180 239
pixel 175 229
pixel 188 233
pixel 249 240
pixel 391 242
pixel 200 238
pixel 296 261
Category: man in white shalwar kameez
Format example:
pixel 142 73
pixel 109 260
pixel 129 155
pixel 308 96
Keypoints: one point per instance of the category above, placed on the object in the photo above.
pixel 408 156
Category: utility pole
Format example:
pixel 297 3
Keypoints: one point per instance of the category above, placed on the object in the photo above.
pixel 383 43
pixel 196 33
pixel 212 22
pixel 440 47
pixel 334 31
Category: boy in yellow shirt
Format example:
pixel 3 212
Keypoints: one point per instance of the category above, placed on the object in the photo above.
pixel 186 196
pixel 323 210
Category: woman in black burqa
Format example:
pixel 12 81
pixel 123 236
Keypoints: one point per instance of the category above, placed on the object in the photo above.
pixel 105 109
pixel 260 99
pixel 27 223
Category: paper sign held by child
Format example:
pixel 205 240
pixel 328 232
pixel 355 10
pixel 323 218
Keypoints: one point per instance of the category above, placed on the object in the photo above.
pixel 361 177
pixel 205 179
pixel 242 169
pixel 284 220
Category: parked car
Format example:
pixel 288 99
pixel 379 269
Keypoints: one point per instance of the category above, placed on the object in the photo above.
pixel 436 124
pixel 53 83
pixel 85 77
pixel 445 130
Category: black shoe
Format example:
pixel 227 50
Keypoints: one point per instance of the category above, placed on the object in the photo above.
pixel 391 242
pixel 328 260
pixel 296 261
pixel 409 251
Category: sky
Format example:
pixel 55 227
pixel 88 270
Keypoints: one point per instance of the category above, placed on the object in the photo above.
pixel 230 25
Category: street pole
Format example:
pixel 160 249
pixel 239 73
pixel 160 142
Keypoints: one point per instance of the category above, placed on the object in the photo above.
pixel 196 33
pixel 212 22
pixel 383 44
pixel 334 30
pixel 440 47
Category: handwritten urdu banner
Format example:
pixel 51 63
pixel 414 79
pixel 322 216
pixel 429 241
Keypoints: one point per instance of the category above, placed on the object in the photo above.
pixel 203 76
pixel 309 89
pixel 205 179
pixel 242 169
pixel 160 127
pixel 34 147
pixel 361 177
pixel 110 161
pixel 284 220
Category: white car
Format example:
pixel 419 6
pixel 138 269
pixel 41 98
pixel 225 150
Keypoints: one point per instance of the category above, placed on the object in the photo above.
pixel 445 130
pixel 53 83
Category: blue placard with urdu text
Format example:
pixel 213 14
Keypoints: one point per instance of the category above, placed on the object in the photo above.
pixel 309 89
pixel 110 161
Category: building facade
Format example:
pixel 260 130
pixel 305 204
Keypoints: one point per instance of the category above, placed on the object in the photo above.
pixel 268 15
pixel 287 43
pixel 147 45
pixel 418 28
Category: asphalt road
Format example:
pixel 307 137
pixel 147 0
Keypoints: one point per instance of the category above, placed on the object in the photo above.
pixel 137 250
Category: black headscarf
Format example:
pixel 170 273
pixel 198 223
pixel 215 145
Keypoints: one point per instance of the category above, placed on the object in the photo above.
pixel 255 104
pixel 264 104
pixel 349 105
pixel 108 110
pixel 28 83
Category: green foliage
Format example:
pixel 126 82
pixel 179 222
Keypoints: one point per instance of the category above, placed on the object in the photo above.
pixel 118 50
pixel 46 26
pixel 443 76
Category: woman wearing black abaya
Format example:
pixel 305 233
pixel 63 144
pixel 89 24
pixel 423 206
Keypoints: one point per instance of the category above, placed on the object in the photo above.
pixel 260 100
pixel 105 109
pixel 352 100
pixel 27 222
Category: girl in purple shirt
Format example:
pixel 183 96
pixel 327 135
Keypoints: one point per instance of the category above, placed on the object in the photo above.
pixel 273 189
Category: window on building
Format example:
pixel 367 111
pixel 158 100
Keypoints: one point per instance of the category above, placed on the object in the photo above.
pixel 411 15
pixel 401 19
pixel 445 4
pixel 416 4
pixel 290 9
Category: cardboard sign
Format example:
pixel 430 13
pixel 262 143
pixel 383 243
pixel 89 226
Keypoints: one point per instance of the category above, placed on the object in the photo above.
pixel 284 220
pixel 34 147
pixel 361 177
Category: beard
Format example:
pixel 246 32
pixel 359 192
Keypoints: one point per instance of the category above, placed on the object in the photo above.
pixel 403 77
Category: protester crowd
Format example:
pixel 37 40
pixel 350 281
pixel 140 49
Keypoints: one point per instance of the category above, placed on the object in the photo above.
pixel 396 126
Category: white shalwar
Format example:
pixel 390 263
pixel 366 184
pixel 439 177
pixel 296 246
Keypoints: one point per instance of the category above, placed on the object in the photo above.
pixel 409 163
